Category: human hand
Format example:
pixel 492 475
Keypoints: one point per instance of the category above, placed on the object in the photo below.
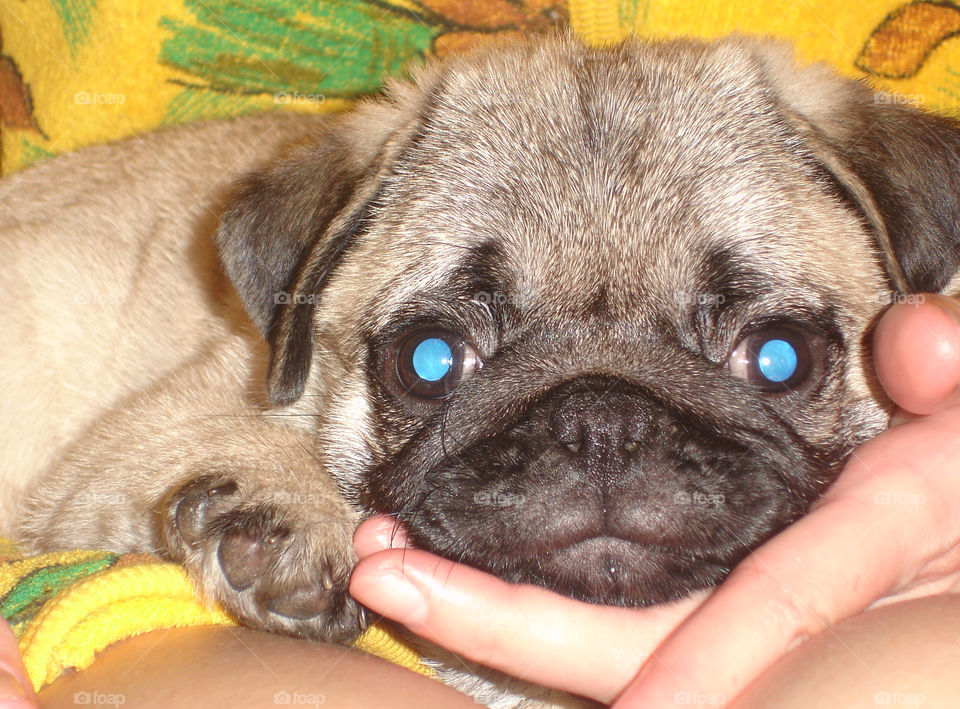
pixel 16 692
pixel 523 630
pixel 883 532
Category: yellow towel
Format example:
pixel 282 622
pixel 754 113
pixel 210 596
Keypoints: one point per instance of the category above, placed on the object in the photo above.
pixel 66 607
pixel 76 72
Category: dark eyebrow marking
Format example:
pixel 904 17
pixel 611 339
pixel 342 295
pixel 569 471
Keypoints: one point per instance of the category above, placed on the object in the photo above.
pixel 482 270
pixel 727 279
pixel 476 297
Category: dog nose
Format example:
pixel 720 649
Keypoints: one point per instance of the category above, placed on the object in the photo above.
pixel 597 423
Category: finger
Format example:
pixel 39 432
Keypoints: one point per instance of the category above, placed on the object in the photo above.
pixel 848 552
pixel 755 616
pixel 379 533
pixel 523 630
pixel 16 691
pixel 917 354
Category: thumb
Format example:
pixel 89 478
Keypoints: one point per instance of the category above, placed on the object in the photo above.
pixel 917 354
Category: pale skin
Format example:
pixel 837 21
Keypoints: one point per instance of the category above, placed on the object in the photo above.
pixel 887 531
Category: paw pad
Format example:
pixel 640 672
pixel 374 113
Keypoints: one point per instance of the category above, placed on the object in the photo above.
pixel 275 568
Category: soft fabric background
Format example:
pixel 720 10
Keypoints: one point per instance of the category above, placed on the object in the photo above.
pixel 75 72
pixel 65 607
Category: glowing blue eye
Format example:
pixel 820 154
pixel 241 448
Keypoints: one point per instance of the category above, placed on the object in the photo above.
pixel 431 364
pixel 432 359
pixel 777 360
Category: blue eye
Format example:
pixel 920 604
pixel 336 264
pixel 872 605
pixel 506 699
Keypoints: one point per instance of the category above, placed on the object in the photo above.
pixel 430 364
pixel 432 359
pixel 777 360
pixel 774 360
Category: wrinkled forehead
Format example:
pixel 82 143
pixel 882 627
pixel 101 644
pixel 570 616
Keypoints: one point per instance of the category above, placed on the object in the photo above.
pixel 632 180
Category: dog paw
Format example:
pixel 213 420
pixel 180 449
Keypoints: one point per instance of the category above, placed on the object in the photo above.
pixel 268 557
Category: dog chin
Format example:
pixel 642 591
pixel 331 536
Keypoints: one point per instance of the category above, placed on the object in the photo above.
pixel 610 570
pixel 614 571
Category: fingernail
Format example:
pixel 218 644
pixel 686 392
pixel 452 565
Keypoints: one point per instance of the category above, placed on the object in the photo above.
pixel 951 308
pixel 383 540
pixel 11 690
pixel 901 417
pixel 401 599
pixel 918 357
pixel 391 539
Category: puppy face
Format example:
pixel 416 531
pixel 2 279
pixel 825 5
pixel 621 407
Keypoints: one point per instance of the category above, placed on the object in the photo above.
pixel 588 319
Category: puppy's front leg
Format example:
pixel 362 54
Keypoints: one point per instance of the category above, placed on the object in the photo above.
pixel 194 472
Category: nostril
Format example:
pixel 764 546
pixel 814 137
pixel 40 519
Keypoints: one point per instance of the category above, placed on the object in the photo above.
pixel 601 423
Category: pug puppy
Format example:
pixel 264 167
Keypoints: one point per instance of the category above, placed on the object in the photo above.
pixel 593 319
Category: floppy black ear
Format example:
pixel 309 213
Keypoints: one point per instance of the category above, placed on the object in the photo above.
pixel 909 162
pixel 287 227
pixel 275 217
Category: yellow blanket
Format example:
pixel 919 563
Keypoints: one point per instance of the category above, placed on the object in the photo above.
pixel 75 72
pixel 66 607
